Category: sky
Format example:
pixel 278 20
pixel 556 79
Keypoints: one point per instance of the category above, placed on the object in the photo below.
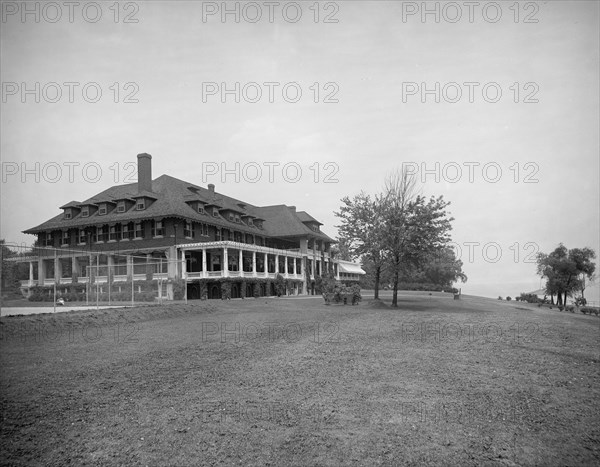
pixel 495 108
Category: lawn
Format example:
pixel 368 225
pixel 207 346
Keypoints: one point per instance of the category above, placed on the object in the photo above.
pixel 294 382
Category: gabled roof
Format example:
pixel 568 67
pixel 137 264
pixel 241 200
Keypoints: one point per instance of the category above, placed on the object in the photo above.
pixel 171 199
pixel 70 204
pixel 306 217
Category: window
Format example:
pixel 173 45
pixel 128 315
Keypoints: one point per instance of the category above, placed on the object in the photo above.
pixel 114 232
pixel 201 209
pixel 85 211
pixel 231 217
pixel 237 219
pixel 218 235
pixel 215 212
pixel 102 210
pixel 188 230
pixel 126 232
pixel 250 222
pixel 65 237
pixel 141 205
pixel 139 232
pixel 99 234
pixel 82 236
pixel 121 206
pixel 48 239
pixel 205 230
pixel 157 229
pixel 68 214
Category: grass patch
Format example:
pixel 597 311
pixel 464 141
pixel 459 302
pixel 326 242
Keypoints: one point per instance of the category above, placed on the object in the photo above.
pixel 295 382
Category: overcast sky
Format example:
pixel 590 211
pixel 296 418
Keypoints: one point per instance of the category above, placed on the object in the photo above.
pixel 530 168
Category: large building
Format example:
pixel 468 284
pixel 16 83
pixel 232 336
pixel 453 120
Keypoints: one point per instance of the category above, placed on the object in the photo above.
pixel 171 230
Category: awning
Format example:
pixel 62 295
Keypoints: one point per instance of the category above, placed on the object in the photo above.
pixel 350 268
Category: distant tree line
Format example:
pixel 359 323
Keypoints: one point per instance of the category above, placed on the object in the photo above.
pixel 567 272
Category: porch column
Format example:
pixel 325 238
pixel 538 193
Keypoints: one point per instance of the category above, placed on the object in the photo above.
pixel 150 268
pixel 183 265
pixel 30 273
pixel 312 266
pixel 225 261
pixel 266 273
pixel 336 268
pixel 204 271
pixel 172 257
pixel 285 261
pixel 129 268
pixel 57 270
pixel 303 272
pixel 241 263
pixel 294 270
pixel 110 268
pixel 276 264
pixel 75 267
pixel 254 263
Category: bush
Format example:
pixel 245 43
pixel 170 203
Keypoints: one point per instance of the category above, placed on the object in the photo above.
pixel 225 290
pixel 590 310
pixel 529 298
pixel 178 289
pixel 580 301
pixel 256 290
pixel 499 297
pixel 508 299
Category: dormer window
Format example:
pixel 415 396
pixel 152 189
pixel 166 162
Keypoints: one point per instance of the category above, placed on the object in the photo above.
pixel 68 214
pixel 250 222
pixel 231 217
pixel 215 212
pixel 201 209
pixel 237 219
pixel 121 206
pixel 85 211
pixel 141 205
pixel 102 210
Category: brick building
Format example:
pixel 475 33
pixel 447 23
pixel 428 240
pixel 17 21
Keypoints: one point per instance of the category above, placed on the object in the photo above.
pixel 171 230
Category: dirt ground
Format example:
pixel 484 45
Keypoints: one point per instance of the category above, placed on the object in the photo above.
pixel 294 382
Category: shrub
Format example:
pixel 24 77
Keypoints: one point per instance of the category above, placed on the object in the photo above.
pixel 499 297
pixel 529 298
pixel 580 301
pixel 225 290
pixel 256 290
pixel 508 299
pixel 178 289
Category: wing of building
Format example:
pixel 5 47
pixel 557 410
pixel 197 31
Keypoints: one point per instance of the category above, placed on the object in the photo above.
pixel 170 229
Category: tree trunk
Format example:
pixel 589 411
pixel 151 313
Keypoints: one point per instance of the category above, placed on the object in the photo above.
pixel 395 296
pixel 559 298
pixel 551 299
pixel 377 277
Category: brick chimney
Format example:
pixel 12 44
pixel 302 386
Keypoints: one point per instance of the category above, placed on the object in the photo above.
pixel 144 172
pixel 211 189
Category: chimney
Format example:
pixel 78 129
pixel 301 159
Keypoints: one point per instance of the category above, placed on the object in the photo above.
pixel 292 208
pixel 211 189
pixel 144 172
